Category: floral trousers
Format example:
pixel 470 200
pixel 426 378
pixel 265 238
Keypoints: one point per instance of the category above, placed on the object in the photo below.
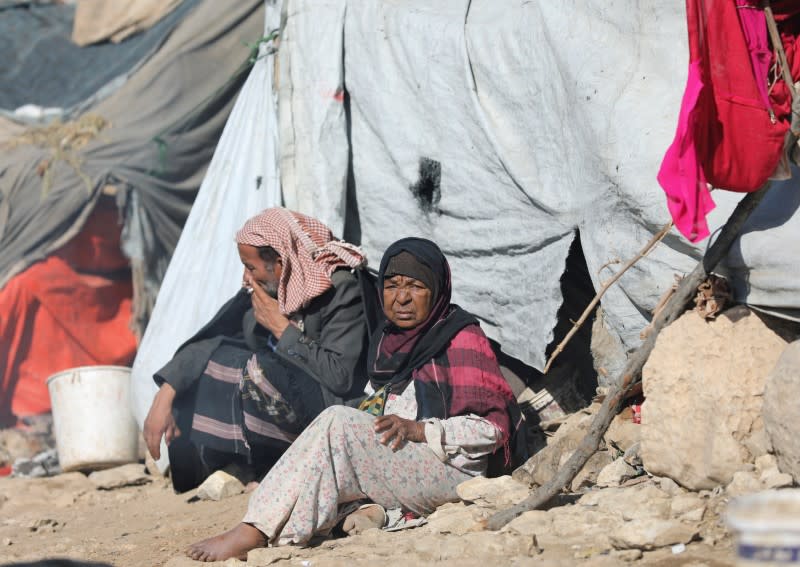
pixel 338 460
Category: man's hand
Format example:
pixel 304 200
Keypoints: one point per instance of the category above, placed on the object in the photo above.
pixel 267 312
pixel 399 429
pixel 159 421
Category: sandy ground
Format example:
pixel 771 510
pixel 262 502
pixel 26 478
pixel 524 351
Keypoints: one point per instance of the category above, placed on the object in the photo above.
pixel 68 517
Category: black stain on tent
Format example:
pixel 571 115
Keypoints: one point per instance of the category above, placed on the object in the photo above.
pixel 427 189
pixel 259 180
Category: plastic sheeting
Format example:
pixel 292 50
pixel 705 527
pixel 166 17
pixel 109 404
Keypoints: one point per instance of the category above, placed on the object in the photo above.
pixel 205 270
pixel 502 130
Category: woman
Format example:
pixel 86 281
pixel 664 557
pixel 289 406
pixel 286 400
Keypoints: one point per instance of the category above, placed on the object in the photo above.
pixel 447 409
pixel 289 344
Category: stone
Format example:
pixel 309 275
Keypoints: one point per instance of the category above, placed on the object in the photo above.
pixel 669 486
pixel 454 519
pixel 542 466
pixel 774 478
pixel 268 555
pixel 688 507
pixel 703 384
pixel 616 473
pixel 744 482
pixel 633 455
pixel 627 554
pixel 218 486
pixel 587 476
pixel 498 492
pixel 531 523
pixel 765 463
pixel 649 534
pixel 781 418
pixel 634 503
pixel 127 475
pixel 622 432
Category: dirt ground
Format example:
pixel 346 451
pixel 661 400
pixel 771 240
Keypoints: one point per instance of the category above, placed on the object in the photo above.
pixel 68 517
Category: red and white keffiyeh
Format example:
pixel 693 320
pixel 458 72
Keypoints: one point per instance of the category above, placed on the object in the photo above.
pixel 309 252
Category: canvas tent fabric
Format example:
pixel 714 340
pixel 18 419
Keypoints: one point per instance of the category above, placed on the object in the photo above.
pixel 242 179
pixel 42 66
pixel 162 125
pixel 100 20
pixel 503 131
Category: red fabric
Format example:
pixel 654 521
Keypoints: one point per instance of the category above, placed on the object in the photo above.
pixel 725 136
pixel 53 317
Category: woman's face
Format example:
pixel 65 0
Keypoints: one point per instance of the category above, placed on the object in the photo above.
pixel 406 301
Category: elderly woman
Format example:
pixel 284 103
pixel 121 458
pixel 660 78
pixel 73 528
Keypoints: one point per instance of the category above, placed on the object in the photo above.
pixel 289 344
pixel 444 409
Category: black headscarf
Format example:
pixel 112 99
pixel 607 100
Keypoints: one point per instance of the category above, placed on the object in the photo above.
pixel 395 353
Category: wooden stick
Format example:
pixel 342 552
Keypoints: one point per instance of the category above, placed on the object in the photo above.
pixel 632 372
pixel 777 44
pixel 588 311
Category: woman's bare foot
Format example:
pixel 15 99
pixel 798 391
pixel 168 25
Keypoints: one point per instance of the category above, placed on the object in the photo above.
pixel 251 486
pixel 363 519
pixel 234 543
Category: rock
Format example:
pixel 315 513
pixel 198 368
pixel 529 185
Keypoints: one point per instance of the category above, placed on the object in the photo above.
pixel 454 519
pixel 774 478
pixel 531 523
pixel 616 473
pixel 627 554
pixel 765 463
pixel 492 492
pixel 669 486
pixel 543 465
pixel 633 455
pixel 781 418
pixel 743 482
pixel 703 384
pixel 587 476
pixel 132 474
pixel 269 555
pixel 689 507
pixel 649 534
pixel 218 486
pixel 622 432
pixel 633 503
pixel 43 464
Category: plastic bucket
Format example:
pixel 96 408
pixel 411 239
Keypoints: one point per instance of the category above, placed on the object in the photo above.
pixel 767 525
pixel 92 418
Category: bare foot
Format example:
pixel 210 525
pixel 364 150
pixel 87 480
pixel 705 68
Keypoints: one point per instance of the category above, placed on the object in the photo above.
pixel 363 519
pixel 234 543
pixel 251 486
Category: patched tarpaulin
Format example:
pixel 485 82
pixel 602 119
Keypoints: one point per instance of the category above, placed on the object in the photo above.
pixel 160 130
pixel 503 130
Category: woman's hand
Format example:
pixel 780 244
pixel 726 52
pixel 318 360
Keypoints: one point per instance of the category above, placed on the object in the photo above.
pixel 399 429
pixel 160 422
pixel 267 312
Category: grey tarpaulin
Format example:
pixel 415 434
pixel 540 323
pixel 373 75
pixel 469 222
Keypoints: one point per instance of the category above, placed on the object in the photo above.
pixel 42 66
pixel 503 130
pixel 164 123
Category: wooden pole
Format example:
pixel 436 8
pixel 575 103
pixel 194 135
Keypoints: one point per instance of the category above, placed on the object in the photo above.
pixel 632 372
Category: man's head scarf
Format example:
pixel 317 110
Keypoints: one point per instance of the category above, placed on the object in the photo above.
pixel 308 250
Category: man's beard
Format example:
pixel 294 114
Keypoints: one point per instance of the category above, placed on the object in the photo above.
pixel 270 288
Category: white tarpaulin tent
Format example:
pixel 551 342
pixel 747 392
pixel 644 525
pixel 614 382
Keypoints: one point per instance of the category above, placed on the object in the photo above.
pixel 242 179
pixel 499 129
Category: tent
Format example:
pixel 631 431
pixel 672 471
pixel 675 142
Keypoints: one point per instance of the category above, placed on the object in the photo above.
pixel 137 123
pixel 524 137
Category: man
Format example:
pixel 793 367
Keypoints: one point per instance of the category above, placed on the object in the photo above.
pixel 289 344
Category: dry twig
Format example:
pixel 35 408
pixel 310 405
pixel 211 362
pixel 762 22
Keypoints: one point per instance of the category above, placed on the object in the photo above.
pixel 588 311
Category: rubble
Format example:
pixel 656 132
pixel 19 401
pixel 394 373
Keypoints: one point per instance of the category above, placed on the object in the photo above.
pixel 696 368
pixel 218 486
pixel 616 473
pixel 127 475
pixel 498 492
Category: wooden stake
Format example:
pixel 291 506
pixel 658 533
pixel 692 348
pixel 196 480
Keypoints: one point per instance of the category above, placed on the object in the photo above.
pixel 588 311
pixel 632 372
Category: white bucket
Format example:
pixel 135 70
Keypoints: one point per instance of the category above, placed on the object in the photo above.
pixel 92 418
pixel 767 525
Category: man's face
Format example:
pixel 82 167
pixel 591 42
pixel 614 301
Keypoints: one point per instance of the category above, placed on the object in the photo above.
pixel 406 301
pixel 258 271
